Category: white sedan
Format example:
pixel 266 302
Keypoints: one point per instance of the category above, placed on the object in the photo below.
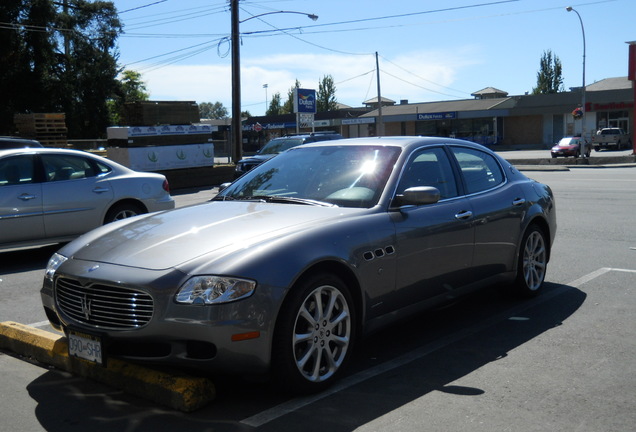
pixel 54 195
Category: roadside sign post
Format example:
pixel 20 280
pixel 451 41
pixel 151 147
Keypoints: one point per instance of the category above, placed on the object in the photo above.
pixel 631 75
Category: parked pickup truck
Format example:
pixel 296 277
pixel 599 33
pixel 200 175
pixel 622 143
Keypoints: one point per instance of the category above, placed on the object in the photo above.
pixel 607 138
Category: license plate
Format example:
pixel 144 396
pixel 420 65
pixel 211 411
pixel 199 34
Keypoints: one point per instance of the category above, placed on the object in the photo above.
pixel 85 346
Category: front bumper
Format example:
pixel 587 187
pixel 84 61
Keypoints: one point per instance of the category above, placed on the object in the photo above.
pixel 193 336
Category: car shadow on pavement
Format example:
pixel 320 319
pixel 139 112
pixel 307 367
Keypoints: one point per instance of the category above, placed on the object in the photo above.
pixel 29 259
pixel 441 346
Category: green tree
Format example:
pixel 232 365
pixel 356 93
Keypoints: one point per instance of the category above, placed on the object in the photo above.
pixel 275 106
pixel 70 69
pixel 131 89
pixel 216 110
pixel 326 95
pixel 288 106
pixel 27 57
pixel 549 77
pixel 89 78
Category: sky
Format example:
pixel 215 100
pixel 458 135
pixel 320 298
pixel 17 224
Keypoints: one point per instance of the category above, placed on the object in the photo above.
pixel 426 50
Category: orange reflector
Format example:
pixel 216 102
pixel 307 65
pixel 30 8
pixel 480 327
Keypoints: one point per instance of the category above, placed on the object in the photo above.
pixel 246 336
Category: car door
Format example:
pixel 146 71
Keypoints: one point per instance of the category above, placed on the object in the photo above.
pixel 498 206
pixel 20 200
pixel 434 242
pixel 76 195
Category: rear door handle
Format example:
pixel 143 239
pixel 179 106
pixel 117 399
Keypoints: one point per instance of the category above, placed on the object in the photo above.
pixel 100 190
pixel 464 214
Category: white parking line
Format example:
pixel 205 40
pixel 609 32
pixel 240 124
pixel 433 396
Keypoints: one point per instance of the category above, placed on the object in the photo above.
pixel 40 324
pixel 297 403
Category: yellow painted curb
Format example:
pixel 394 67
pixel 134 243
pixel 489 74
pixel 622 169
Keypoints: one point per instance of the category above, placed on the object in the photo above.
pixel 177 391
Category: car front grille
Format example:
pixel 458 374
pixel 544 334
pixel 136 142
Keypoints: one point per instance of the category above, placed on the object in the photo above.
pixel 103 306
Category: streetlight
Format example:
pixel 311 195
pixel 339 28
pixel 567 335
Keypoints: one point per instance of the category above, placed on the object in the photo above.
pixel 582 151
pixel 265 87
pixel 237 132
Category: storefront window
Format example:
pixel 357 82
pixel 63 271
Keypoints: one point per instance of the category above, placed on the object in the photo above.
pixel 479 130
pixel 619 119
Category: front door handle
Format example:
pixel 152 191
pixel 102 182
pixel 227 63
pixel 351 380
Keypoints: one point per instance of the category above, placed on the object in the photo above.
pixel 26 197
pixel 464 214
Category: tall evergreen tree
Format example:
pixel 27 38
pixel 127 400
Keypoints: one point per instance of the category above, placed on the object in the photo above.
pixel 90 75
pixel 288 106
pixel 27 57
pixel 549 77
pixel 275 107
pixel 59 60
pixel 326 96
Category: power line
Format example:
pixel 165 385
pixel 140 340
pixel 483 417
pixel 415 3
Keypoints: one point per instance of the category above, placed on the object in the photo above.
pixel 423 79
pixel 142 7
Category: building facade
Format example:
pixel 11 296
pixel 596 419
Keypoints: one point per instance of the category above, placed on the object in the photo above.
pixel 492 118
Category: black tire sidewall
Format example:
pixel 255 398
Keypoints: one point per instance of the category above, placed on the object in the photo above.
pixel 117 208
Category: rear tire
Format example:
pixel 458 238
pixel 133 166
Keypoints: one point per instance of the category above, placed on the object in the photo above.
pixel 314 335
pixel 532 262
pixel 123 211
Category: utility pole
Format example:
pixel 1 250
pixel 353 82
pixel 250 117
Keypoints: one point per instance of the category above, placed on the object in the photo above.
pixel 380 126
pixel 237 127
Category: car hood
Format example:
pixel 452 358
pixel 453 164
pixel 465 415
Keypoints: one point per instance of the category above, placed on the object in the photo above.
pixel 173 238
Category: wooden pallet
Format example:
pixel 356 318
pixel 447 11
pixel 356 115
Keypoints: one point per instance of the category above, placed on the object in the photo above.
pixel 48 128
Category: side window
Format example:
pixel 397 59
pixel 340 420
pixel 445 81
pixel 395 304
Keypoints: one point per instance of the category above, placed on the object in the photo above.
pixel 101 168
pixel 480 170
pixel 67 167
pixel 429 167
pixel 16 170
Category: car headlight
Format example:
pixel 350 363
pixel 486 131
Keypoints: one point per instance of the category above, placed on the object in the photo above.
pixel 205 290
pixel 54 263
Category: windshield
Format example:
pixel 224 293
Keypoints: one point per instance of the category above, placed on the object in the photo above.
pixel 279 145
pixel 346 176
pixel 569 141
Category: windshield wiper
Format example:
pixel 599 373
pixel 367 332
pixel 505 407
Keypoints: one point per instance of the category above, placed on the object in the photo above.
pixel 223 198
pixel 290 200
pixel 274 199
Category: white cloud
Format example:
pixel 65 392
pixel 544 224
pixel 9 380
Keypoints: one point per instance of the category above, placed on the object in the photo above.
pixel 407 76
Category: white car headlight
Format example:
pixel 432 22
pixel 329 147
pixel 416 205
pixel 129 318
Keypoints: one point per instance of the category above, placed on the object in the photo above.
pixel 54 263
pixel 205 290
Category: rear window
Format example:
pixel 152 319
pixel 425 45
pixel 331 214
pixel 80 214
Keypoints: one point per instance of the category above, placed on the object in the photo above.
pixel 279 145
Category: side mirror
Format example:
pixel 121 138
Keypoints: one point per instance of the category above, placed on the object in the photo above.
pixel 224 186
pixel 419 195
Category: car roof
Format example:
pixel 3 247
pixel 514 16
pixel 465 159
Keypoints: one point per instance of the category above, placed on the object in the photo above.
pixel 48 150
pixel 405 142
pixel 17 142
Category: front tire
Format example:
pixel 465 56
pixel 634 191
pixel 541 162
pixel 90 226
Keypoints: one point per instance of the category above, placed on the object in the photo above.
pixel 532 262
pixel 314 335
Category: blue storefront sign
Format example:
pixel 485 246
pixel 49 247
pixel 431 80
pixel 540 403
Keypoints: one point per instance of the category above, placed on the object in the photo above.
pixel 304 101
pixel 438 116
